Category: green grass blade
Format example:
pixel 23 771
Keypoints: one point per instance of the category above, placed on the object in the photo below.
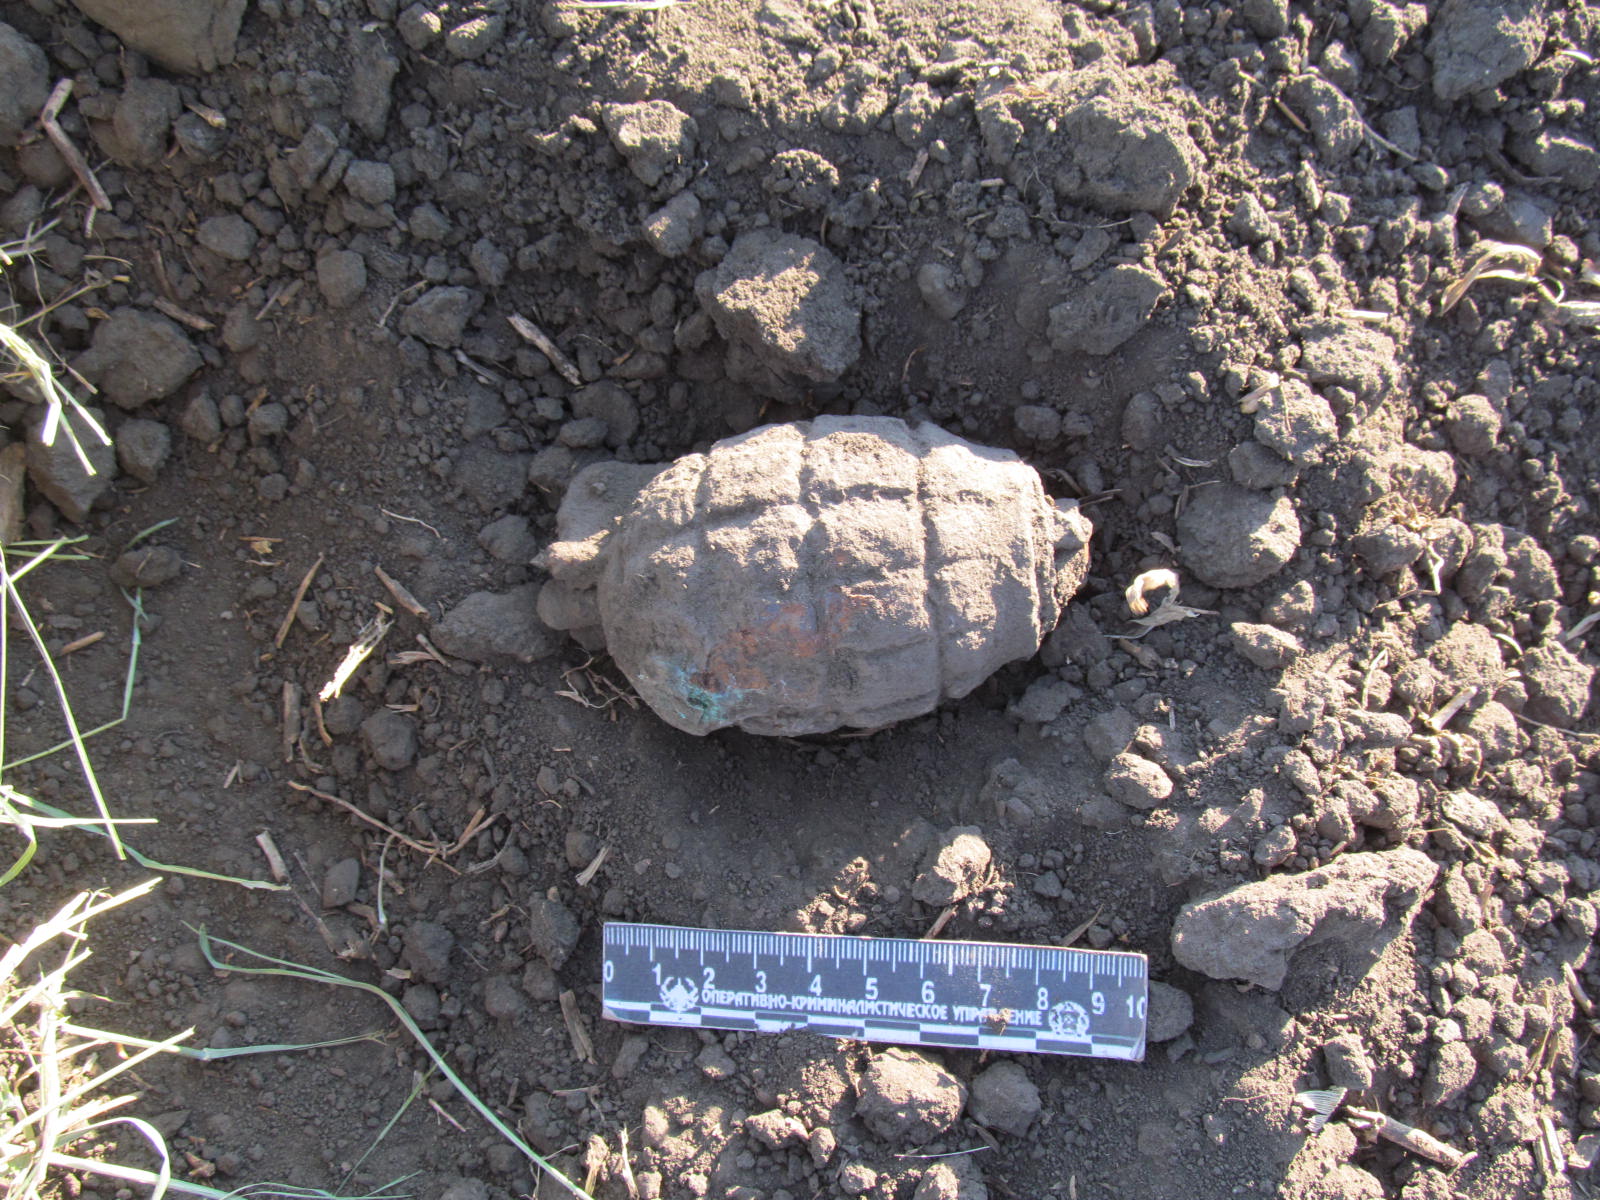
pixel 419 1082
pixel 136 641
pixel 90 825
pixel 10 817
pixel 258 1191
pixel 144 533
pixel 65 702
pixel 215 1053
pixel 294 970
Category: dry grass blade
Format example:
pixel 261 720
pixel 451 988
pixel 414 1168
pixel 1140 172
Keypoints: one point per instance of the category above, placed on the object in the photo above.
pixel 373 632
pixel 294 605
pixel 293 970
pixel 46 1077
pixel 25 362
pixel 1494 260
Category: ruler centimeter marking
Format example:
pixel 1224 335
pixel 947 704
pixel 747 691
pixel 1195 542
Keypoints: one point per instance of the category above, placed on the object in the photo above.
pixel 973 995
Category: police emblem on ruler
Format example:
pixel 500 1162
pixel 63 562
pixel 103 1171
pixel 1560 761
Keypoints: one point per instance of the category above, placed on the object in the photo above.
pixel 980 995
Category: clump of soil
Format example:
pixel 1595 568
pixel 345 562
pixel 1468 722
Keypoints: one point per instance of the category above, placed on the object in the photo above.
pixel 1189 262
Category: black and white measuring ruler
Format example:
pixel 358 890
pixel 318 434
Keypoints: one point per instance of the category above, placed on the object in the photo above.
pixel 979 995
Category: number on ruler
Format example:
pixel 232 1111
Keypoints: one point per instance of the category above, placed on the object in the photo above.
pixel 927 991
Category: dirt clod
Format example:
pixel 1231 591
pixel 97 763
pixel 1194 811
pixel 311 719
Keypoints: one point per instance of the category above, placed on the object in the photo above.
pixel 955 867
pixel 1232 538
pixel 1351 909
pixel 1004 1098
pixel 906 1098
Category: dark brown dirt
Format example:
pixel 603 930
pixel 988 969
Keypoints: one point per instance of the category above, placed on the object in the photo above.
pixel 354 206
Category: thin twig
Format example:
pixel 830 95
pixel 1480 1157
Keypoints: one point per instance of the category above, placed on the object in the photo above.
pixel 294 606
pixel 402 595
pixel 434 852
pixel 531 332
pixel 63 144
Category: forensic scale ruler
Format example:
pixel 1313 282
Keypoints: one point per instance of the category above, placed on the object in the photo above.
pixel 977 995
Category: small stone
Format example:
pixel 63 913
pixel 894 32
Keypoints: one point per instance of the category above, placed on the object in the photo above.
pixel 958 1180
pixel 1254 466
pixel 1558 684
pixel 1110 733
pixel 339 883
pixel 1449 1075
pixel 857 1179
pixel 1250 223
pixel 440 315
pixel 427 949
pixel 142 121
pixel 1037 423
pixel 343 715
pixel 373 70
pixel 137 356
pixel 553 930
pixel 56 471
pixel 1171 1012
pixel 1233 538
pixel 370 182
pixel 821 1145
pixel 143 447
pixel 954 868
pixel 673 229
pixel 1473 425
pixel 267 420
pixel 229 236
pixel 1045 700
pixel 941 290
pixel 904 1097
pixel 1349 1064
pixel 502 999
pixel 540 982
pixel 1296 422
pixel 1335 122
pixel 1550 152
pixel 613 405
pixel 715 1063
pixel 146 567
pixel 1107 312
pixel 341 277
pixel 472 39
pixel 421 1000
pixel 653 137
pixel 1137 782
pixel 496 627
pixel 419 26
pixel 1004 1098
pixel 509 539
pixel 391 739
pixel 775 1128
pixel 1268 648
pixel 632 1051
pixel 1266 18
pixel 788 300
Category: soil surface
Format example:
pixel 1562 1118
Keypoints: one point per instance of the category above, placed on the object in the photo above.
pixel 1194 263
